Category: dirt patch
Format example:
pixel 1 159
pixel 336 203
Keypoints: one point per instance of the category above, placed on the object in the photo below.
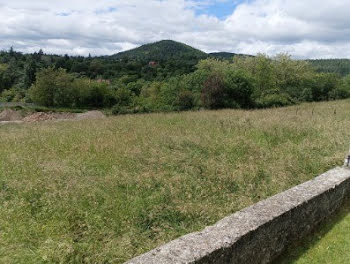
pixel 40 116
pixel 90 115
pixel 10 115
pixel 47 116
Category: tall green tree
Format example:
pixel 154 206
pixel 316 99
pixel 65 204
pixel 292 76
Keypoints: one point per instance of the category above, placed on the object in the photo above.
pixel 29 73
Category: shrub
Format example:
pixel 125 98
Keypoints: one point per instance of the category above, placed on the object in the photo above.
pixel 238 89
pixel 120 110
pixel 59 89
pixel 213 92
pixel 98 95
pixel 51 88
pixel 306 95
pixel 153 97
pixel 89 93
pixel 123 96
pixel 274 100
pixel 324 84
pixel 185 100
pixel 342 91
pixel 11 95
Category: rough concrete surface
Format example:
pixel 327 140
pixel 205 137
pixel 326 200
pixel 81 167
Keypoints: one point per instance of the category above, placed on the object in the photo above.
pixel 261 232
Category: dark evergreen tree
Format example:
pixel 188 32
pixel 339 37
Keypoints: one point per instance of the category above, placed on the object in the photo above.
pixel 29 73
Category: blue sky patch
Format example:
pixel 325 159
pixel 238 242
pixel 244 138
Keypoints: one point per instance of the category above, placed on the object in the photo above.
pixel 220 9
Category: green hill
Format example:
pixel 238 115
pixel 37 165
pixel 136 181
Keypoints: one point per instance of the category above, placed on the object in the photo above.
pixel 161 51
pixel 340 66
pixel 226 55
pixel 222 55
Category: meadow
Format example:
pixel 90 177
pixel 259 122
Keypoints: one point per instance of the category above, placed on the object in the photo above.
pixel 104 191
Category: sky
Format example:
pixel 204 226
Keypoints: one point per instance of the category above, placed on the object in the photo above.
pixel 302 28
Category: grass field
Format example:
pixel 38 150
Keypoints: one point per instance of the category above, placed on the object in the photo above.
pixel 331 244
pixel 103 191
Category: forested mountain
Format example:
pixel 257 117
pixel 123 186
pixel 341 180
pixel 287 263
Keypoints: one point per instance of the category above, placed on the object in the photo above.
pixel 341 66
pixel 156 61
pixel 151 62
pixel 162 51
pixel 167 50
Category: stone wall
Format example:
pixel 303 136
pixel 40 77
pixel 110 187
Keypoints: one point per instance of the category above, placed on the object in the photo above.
pixel 261 232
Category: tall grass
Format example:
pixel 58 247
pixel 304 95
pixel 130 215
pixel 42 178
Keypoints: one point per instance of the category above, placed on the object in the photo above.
pixel 103 191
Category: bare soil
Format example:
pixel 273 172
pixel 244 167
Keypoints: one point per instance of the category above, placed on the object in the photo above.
pixel 8 116
pixel 42 116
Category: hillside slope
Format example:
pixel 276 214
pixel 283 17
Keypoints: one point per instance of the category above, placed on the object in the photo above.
pixel 227 55
pixel 340 66
pixel 162 50
pixel 222 55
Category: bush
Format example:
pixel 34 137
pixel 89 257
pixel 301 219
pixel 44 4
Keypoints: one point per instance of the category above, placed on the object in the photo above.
pixel 229 88
pixel 123 96
pixel 213 92
pixel 185 100
pixel 238 89
pixel 120 110
pixel 306 95
pixel 274 100
pixel 51 88
pixel 12 95
pixel 323 85
pixel 98 95
pixel 342 91
pixel 56 88
pixel 155 97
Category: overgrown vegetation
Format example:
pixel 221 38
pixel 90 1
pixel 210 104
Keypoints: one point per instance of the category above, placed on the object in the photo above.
pixel 167 76
pixel 103 191
pixel 56 88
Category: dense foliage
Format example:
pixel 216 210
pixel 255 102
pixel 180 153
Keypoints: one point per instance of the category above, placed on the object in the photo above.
pixel 340 66
pixel 18 70
pixel 166 76
pixel 56 88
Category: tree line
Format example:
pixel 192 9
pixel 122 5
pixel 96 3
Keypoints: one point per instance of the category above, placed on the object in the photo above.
pixel 340 66
pixel 243 82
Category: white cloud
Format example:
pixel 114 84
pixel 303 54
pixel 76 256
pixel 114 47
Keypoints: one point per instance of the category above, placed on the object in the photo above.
pixel 307 28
